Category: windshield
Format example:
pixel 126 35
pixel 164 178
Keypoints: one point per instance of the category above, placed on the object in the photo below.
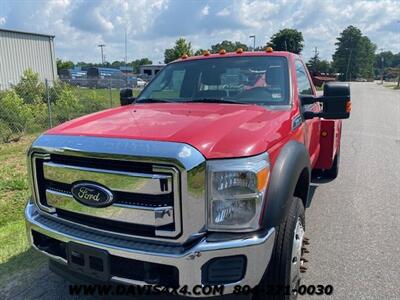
pixel 255 80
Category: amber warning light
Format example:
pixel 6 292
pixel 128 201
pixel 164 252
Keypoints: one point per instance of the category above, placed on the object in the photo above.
pixel 348 106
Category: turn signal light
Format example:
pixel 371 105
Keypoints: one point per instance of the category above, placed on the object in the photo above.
pixel 239 50
pixel 348 106
pixel 222 51
pixel 269 49
pixel 184 56
pixel 262 179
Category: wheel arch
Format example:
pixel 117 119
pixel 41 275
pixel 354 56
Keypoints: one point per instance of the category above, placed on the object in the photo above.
pixel 290 177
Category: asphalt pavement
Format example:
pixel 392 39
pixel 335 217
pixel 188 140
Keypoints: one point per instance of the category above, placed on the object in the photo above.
pixel 353 223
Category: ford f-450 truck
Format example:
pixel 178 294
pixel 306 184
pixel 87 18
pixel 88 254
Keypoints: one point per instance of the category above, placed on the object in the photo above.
pixel 203 179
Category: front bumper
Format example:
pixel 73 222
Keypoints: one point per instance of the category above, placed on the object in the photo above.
pixel 189 262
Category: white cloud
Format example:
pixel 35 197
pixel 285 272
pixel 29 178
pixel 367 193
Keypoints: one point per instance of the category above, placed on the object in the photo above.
pixel 153 25
pixel 206 10
pixel 223 12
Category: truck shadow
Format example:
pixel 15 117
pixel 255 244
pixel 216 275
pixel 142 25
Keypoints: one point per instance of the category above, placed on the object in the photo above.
pixel 313 188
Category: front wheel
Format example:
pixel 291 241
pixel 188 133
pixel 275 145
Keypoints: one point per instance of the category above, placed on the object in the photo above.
pixel 282 277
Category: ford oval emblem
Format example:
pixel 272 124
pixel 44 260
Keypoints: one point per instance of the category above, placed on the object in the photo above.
pixel 92 194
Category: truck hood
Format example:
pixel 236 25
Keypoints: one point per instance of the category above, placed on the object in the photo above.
pixel 216 130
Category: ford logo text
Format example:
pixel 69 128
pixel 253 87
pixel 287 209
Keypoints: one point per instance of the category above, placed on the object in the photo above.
pixel 92 194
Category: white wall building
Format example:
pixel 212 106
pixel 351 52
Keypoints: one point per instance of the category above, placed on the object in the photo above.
pixel 149 71
pixel 23 50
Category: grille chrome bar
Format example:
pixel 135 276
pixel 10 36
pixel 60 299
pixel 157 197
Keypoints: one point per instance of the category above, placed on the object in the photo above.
pixel 153 184
pixel 184 164
pixel 154 216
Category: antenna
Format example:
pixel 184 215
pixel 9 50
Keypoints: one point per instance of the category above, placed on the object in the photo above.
pixel 126 59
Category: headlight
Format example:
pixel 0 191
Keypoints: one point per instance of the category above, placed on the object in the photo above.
pixel 236 190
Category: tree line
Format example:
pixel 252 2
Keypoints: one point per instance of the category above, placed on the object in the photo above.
pixel 354 56
pixel 135 64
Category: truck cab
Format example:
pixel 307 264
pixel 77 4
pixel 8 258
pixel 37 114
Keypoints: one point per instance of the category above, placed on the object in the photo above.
pixel 201 180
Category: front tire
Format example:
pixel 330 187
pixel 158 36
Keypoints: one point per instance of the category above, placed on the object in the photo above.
pixel 283 272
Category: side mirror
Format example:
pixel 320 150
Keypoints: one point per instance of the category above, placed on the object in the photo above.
pixel 126 97
pixel 336 102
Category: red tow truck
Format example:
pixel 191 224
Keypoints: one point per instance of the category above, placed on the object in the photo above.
pixel 202 180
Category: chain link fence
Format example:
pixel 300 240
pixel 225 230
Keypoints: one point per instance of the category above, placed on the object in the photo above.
pixel 35 108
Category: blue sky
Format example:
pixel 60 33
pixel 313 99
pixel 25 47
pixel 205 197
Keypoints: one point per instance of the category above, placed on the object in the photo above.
pixel 153 25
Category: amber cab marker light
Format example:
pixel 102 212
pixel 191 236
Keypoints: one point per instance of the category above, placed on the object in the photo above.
pixel 206 53
pixel 324 133
pixel 269 50
pixel 348 106
pixel 222 51
pixel 239 50
pixel 184 56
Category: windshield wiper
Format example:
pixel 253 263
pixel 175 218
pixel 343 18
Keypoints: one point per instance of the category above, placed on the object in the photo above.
pixel 151 100
pixel 214 100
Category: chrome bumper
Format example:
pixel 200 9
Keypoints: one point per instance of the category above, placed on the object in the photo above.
pixel 257 249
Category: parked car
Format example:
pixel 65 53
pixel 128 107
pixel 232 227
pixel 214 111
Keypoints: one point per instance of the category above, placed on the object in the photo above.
pixel 202 180
pixel 140 83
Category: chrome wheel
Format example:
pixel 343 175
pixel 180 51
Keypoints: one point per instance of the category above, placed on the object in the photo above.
pixel 297 261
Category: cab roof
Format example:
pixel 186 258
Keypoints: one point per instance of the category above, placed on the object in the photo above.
pixel 238 54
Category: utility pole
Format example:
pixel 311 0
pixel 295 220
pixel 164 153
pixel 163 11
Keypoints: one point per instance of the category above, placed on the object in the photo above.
pixel 254 41
pixel 126 60
pixel 285 46
pixel 349 58
pixel 382 64
pixel 348 64
pixel 102 53
pixel 315 59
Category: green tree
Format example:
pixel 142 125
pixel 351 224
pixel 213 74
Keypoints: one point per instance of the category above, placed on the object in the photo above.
pixel 287 40
pixel 313 63
pixel 64 64
pixel 14 115
pixel 117 64
pixel 30 88
pixel 67 106
pixel 386 61
pixel 200 51
pixel 181 47
pixel 140 62
pixel 228 46
pixel 355 55
pixel 316 66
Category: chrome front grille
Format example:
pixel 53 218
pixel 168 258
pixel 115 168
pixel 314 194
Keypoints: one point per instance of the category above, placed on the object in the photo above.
pixel 158 187
pixel 149 198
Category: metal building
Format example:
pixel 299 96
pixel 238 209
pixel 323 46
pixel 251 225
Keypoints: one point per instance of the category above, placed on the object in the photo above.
pixel 149 71
pixel 23 50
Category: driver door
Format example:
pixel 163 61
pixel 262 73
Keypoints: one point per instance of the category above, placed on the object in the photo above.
pixel 312 126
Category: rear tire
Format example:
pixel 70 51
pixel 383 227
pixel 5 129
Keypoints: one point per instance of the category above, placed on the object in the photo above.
pixel 284 267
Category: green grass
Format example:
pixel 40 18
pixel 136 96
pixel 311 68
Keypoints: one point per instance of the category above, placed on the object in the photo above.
pixel 319 88
pixel 392 86
pixel 13 178
pixel 15 254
